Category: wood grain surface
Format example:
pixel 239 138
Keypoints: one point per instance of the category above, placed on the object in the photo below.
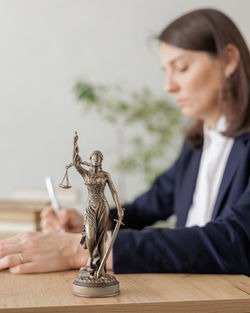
pixel 51 292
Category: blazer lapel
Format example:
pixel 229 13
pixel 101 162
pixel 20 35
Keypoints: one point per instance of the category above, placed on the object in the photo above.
pixel 231 167
pixel 189 181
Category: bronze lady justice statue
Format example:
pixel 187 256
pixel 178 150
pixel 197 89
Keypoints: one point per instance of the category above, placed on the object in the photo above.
pixel 96 217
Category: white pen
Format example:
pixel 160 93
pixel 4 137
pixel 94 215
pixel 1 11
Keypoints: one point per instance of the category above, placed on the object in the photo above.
pixel 52 197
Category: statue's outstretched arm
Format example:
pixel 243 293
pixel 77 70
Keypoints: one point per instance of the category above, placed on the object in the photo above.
pixel 77 160
pixel 120 210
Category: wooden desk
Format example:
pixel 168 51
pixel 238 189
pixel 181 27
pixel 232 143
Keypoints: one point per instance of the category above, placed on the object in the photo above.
pixel 139 293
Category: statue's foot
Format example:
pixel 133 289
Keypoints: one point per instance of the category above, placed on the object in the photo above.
pixel 88 269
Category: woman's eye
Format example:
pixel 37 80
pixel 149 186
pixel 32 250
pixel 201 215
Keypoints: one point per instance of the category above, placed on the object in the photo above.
pixel 182 68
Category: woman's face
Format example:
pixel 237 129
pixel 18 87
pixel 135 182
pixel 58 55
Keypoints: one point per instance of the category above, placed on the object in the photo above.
pixel 194 78
pixel 96 160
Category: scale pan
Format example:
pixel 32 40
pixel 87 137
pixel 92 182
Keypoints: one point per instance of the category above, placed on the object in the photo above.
pixel 65 186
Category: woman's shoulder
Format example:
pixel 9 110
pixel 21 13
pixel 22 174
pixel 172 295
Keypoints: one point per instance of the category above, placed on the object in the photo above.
pixel 245 137
pixel 187 149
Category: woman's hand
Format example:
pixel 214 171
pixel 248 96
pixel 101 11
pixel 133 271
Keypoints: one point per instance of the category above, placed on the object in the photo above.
pixel 69 220
pixel 37 252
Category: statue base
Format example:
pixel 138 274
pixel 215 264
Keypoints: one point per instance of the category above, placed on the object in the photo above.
pixel 87 285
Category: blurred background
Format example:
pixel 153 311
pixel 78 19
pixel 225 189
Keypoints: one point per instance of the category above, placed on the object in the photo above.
pixel 46 47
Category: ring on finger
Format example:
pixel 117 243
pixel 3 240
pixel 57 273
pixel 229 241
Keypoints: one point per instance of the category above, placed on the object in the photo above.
pixel 21 258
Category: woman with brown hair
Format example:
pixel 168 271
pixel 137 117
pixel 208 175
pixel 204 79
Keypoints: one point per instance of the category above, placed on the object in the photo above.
pixel 207 67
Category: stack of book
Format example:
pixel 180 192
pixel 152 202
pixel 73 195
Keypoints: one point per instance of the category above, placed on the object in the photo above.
pixel 19 215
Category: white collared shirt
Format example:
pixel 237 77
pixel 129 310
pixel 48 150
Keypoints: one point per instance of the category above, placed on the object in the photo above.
pixel 216 150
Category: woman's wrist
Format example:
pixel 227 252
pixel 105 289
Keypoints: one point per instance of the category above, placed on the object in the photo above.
pixel 72 252
pixel 75 256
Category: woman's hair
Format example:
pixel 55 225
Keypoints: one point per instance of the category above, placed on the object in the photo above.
pixel 210 30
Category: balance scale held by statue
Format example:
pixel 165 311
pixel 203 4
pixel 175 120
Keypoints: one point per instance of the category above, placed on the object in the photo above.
pixel 93 279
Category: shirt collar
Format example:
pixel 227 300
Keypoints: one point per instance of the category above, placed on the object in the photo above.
pixel 215 133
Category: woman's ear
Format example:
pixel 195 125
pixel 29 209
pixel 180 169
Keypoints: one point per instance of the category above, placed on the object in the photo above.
pixel 231 56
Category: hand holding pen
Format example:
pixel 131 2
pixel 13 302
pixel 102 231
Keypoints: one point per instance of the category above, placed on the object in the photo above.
pixel 55 208
pixel 55 219
pixel 69 220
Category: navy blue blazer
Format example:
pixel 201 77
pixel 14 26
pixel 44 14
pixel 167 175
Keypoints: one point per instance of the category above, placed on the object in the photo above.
pixel 221 246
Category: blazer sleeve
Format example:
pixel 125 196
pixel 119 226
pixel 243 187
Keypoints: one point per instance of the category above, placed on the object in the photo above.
pixel 155 204
pixel 222 246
